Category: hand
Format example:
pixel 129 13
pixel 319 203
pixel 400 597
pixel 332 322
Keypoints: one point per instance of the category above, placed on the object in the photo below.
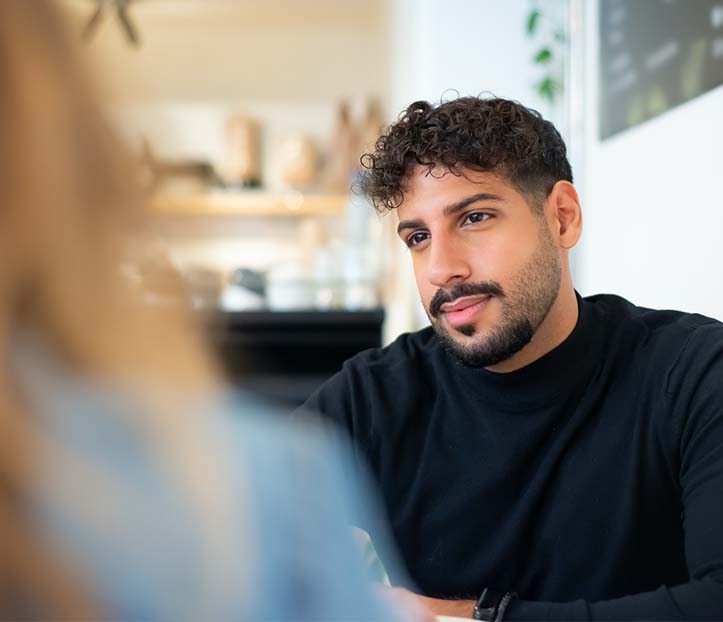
pixel 433 606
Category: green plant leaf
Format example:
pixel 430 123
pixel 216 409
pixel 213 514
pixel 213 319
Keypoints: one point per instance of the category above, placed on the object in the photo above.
pixel 532 19
pixel 543 56
pixel 548 88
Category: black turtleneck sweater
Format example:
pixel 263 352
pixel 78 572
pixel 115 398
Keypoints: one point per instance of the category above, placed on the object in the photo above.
pixel 589 482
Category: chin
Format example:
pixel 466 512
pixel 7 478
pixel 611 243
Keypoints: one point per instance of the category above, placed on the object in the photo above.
pixel 468 330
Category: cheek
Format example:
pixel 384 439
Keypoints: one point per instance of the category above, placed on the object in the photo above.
pixel 420 275
pixel 426 291
pixel 501 259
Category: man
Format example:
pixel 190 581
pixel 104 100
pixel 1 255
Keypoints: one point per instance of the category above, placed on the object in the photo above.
pixel 530 441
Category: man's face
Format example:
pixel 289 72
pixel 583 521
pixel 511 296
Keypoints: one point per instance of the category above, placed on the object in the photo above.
pixel 487 268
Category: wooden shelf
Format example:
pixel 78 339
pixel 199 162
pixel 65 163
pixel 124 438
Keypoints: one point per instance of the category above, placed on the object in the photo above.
pixel 250 204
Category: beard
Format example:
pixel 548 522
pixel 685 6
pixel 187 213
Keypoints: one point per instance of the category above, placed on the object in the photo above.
pixel 525 306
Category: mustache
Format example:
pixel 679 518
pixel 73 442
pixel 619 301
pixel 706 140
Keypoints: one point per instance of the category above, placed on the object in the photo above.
pixel 442 296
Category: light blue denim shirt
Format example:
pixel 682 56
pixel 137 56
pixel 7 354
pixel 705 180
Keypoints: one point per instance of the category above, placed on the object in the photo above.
pixel 109 503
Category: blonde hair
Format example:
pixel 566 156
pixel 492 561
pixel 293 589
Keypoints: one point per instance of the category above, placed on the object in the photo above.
pixel 70 213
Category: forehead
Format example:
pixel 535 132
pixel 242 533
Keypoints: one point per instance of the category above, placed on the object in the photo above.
pixel 433 190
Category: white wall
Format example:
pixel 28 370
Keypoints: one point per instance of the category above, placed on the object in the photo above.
pixel 216 50
pixel 471 46
pixel 652 203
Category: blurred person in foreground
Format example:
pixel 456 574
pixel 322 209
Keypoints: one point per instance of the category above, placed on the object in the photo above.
pixel 540 454
pixel 132 486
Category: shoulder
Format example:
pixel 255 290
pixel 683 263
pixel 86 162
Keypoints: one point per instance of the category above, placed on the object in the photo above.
pixel 674 357
pixel 665 333
pixel 264 435
pixel 378 370
pixel 406 347
pixel 276 493
pixel 374 380
pixel 679 354
pixel 407 351
pixel 405 356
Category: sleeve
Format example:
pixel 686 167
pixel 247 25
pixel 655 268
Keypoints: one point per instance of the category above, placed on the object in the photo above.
pixel 695 398
pixel 342 404
pixel 310 567
pixel 364 510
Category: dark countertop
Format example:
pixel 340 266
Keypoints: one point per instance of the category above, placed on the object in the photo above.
pixel 287 354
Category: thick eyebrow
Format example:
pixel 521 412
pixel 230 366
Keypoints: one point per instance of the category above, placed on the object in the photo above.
pixel 409 224
pixel 450 209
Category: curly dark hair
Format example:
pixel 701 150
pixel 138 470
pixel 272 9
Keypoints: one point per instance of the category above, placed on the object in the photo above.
pixel 488 135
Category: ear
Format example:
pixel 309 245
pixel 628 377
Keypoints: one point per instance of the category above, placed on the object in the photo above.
pixel 562 209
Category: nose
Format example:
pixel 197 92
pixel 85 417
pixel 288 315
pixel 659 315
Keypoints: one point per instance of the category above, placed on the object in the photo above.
pixel 447 263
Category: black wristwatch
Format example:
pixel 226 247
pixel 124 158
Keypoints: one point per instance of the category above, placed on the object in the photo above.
pixel 491 605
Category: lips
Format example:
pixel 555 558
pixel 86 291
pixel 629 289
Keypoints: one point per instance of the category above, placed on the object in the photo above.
pixel 462 310
pixel 463 303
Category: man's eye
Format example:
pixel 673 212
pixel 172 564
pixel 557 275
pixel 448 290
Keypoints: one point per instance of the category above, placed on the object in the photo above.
pixel 476 217
pixel 417 238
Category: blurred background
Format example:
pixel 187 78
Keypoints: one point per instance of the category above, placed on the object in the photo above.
pixel 249 117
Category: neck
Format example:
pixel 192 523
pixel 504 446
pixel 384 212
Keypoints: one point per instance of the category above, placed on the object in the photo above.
pixel 555 328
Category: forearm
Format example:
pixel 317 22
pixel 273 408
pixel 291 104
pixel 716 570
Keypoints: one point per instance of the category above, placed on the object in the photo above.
pixel 698 600
pixel 435 606
pixel 453 608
